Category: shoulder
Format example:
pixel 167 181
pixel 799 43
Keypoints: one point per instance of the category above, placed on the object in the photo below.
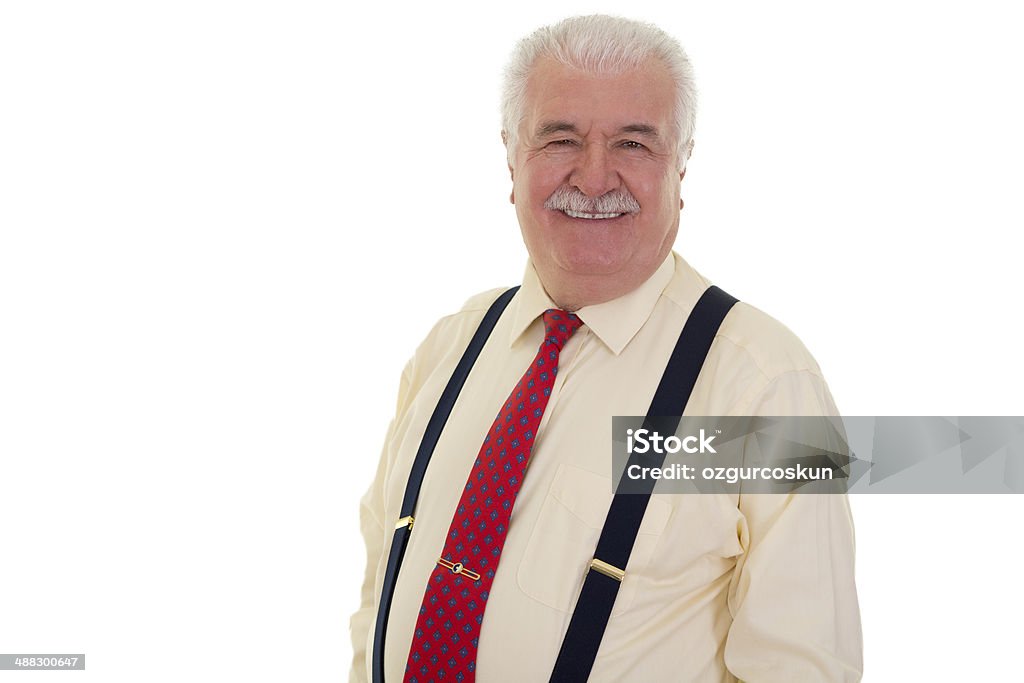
pixel 748 335
pixel 465 320
pixel 449 336
pixel 756 365
pixel 479 303
pixel 770 369
pixel 767 343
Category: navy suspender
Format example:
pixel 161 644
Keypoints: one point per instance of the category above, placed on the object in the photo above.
pixel 594 606
pixel 583 638
pixel 419 467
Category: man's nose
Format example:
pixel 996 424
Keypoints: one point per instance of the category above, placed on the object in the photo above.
pixel 594 173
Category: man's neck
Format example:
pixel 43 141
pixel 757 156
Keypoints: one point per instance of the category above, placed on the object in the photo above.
pixel 571 292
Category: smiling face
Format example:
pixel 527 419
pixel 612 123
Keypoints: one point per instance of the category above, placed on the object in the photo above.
pixel 596 178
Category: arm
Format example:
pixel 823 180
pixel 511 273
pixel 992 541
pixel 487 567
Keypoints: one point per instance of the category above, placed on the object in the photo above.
pixel 792 595
pixel 373 528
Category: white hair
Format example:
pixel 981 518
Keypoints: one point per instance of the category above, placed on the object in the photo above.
pixel 606 45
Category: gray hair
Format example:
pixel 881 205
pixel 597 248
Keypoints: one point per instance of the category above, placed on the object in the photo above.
pixel 599 44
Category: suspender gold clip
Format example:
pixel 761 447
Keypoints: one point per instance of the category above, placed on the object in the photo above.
pixel 404 521
pixel 607 569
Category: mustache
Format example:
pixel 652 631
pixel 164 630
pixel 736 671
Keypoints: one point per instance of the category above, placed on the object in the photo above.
pixel 570 198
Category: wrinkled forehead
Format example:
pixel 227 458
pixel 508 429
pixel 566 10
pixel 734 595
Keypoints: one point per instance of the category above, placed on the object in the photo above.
pixel 559 96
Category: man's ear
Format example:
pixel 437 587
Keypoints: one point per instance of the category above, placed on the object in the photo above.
pixel 512 176
pixel 511 172
pixel 508 152
pixel 689 153
pixel 682 171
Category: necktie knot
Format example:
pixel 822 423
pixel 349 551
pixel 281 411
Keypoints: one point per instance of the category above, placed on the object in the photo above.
pixel 559 326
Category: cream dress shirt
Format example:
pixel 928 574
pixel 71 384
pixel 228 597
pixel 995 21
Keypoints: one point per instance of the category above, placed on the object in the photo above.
pixel 757 588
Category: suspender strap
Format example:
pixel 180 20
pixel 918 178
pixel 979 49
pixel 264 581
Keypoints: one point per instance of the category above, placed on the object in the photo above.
pixel 403 528
pixel 594 606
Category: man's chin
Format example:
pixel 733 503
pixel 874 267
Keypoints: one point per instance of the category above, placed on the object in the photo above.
pixel 590 264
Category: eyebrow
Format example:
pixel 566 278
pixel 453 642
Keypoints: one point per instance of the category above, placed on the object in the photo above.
pixel 552 127
pixel 641 128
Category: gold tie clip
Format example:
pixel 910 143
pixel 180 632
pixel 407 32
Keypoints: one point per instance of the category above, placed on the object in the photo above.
pixel 458 568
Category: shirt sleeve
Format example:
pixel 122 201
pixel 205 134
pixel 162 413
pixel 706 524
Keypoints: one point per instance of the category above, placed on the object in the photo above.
pixel 373 528
pixel 792 595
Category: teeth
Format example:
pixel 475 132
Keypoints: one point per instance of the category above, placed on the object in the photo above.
pixel 590 216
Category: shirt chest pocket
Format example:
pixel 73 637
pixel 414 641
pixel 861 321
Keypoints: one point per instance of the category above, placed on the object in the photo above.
pixel 562 543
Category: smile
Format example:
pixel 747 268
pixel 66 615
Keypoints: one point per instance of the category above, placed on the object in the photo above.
pixel 590 216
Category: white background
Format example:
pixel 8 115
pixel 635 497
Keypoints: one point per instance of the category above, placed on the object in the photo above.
pixel 224 227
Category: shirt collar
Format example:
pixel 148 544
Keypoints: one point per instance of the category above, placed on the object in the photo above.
pixel 614 322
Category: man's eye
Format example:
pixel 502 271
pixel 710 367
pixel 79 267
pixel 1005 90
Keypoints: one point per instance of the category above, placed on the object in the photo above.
pixel 562 143
pixel 632 144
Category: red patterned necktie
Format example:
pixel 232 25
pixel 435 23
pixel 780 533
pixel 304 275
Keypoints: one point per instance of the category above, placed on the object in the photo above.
pixel 447 632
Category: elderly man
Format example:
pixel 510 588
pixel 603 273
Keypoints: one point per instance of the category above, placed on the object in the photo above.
pixel 481 564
